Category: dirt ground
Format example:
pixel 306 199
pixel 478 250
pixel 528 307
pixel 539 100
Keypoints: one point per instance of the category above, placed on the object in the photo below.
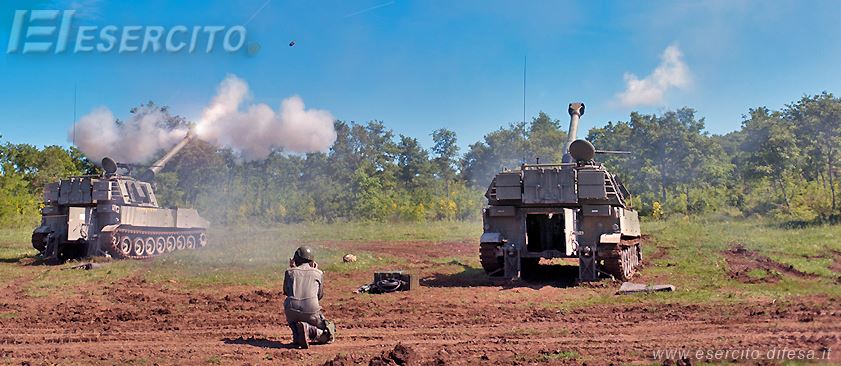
pixel 456 318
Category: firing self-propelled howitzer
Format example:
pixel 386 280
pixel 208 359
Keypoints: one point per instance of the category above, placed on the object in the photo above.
pixel 115 214
pixel 575 209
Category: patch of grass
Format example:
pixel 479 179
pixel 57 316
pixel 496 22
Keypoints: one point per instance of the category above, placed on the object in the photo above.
pixel 15 244
pixel 8 315
pixel 436 231
pixel 62 280
pixel 253 256
pixel 758 273
pixel 695 263
pixel 471 260
pixel 558 355
pixel 258 256
pixel 10 272
pixel 214 360
pixel 545 356
pixel 249 255
pixel 364 261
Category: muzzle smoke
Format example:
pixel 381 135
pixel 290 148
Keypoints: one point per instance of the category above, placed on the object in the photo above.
pixel 253 130
pixel 98 134
pixel 258 129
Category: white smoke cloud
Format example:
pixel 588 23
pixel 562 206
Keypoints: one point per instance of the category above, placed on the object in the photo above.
pixel 134 141
pixel 255 131
pixel 672 72
pixel 258 129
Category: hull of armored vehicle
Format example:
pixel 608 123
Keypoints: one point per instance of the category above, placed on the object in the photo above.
pixel 115 216
pixel 531 216
pixel 574 209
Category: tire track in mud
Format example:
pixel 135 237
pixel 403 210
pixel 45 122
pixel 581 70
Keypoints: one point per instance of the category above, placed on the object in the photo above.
pixel 835 267
pixel 741 261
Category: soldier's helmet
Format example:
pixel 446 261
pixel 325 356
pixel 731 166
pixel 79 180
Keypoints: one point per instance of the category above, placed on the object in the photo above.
pixel 304 253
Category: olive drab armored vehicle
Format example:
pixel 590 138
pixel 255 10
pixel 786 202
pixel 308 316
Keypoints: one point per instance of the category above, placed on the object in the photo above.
pixel 573 209
pixel 116 215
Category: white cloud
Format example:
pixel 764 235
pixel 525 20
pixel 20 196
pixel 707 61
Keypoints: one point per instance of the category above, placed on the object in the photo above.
pixel 671 73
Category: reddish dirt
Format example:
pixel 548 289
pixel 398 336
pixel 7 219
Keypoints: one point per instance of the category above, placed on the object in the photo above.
pixel 741 260
pixel 836 265
pixel 661 251
pixel 457 318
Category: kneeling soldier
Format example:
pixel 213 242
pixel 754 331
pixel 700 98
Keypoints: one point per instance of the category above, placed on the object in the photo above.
pixel 303 287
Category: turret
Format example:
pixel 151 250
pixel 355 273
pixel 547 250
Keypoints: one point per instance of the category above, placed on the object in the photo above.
pixel 110 166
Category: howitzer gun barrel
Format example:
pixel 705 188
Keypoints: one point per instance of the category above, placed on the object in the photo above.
pixel 156 167
pixel 575 111
pixel 620 152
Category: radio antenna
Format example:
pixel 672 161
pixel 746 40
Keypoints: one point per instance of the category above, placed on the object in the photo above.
pixel 74 114
pixel 524 109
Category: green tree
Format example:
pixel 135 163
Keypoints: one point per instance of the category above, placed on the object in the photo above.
pixel 500 149
pixel 770 148
pixel 817 122
pixel 445 148
pixel 545 140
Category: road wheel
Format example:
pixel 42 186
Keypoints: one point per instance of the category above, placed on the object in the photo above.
pixel 149 246
pixel 160 245
pixel 125 246
pixel 137 247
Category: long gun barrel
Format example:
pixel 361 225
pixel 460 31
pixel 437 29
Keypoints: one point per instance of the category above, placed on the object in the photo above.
pixel 155 168
pixel 575 111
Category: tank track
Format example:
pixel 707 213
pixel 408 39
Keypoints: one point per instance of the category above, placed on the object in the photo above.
pixel 621 260
pixel 141 243
pixel 491 263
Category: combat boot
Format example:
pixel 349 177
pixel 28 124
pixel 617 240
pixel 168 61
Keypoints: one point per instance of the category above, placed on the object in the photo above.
pixel 329 331
pixel 303 337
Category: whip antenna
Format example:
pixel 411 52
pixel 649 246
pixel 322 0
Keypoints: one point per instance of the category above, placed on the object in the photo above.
pixel 524 109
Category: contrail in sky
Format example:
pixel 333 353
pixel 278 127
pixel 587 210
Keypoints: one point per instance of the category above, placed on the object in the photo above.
pixel 369 9
pixel 257 12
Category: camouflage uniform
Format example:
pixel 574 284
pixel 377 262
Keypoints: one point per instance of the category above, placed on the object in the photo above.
pixel 303 287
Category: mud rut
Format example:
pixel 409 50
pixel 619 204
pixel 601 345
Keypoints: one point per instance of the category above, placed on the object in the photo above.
pixel 140 322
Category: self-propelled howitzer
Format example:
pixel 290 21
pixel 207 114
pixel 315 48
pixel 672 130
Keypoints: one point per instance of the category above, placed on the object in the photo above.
pixel 575 209
pixel 115 215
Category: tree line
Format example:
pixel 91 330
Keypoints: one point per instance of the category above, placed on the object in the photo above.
pixel 782 163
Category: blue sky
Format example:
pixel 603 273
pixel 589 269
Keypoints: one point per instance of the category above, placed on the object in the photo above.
pixel 423 65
